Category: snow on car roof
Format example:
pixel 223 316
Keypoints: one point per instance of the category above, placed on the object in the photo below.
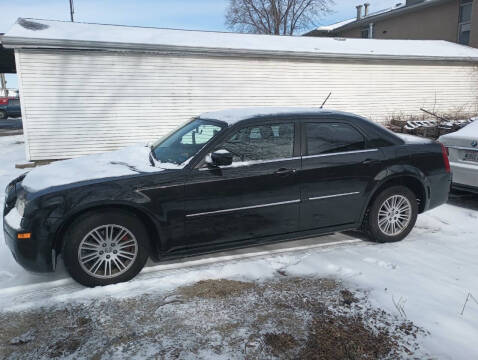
pixel 35 33
pixel 232 116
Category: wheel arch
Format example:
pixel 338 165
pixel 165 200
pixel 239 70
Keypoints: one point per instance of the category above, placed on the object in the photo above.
pixel 411 181
pixel 153 231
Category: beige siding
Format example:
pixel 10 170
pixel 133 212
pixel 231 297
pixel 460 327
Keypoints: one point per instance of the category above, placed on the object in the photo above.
pixel 474 25
pixel 78 103
pixel 433 23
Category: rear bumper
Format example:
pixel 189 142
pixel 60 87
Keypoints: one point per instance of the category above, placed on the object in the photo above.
pixel 472 189
pixel 439 189
pixel 29 253
pixel 464 175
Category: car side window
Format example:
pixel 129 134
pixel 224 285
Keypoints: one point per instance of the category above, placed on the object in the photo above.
pixel 261 142
pixel 327 138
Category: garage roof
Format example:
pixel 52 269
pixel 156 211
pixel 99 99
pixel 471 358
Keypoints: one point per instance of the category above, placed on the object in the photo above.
pixel 32 33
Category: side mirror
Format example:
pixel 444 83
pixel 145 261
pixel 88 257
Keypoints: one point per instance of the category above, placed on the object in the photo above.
pixel 219 158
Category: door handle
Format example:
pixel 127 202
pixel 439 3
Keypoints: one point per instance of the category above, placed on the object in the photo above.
pixel 284 172
pixel 370 162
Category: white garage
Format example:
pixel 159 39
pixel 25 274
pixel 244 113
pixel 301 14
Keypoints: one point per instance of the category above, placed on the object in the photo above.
pixel 88 88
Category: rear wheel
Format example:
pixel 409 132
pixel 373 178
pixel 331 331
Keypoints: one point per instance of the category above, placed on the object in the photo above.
pixel 3 114
pixel 392 215
pixel 102 248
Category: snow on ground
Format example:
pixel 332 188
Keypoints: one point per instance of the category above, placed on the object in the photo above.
pixel 425 278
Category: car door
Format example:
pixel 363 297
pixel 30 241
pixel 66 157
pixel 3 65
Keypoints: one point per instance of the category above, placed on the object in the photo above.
pixel 256 196
pixel 337 169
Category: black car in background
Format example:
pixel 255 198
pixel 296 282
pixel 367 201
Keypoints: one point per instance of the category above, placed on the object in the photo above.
pixel 225 179
pixel 9 107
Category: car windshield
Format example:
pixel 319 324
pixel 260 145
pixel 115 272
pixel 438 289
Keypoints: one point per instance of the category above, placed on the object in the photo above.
pixel 186 141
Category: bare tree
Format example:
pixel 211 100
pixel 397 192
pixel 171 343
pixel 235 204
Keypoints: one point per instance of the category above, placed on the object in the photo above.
pixel 277 17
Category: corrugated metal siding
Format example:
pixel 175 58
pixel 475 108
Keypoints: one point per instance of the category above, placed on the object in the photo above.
pixel 82 102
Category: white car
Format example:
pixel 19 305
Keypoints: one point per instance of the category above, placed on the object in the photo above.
pixel 462 147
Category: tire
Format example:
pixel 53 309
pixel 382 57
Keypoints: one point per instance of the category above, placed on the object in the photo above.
pixel 3 115
pixel 92 237
pixel 391 227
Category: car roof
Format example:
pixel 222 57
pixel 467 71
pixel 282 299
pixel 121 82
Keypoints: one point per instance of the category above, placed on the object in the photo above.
pixel 233 116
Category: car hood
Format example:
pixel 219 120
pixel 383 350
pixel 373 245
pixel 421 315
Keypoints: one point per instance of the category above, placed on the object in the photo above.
pixel 128 161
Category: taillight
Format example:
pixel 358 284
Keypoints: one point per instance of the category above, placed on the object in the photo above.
pixel 446 162
pixel 3 101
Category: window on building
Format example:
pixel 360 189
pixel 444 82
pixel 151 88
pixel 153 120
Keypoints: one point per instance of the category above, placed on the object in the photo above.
pixel 464 22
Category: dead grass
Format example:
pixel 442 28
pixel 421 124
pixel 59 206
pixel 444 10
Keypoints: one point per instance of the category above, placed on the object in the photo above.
pixel 279 344
pixel 214 289
pixel 348 298
pixel 346 337
pixel 285 318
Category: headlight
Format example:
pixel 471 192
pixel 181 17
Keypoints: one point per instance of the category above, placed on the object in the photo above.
pixel 20 205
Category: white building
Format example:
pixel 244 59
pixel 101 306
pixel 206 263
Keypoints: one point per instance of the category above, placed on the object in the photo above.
pixel 89 88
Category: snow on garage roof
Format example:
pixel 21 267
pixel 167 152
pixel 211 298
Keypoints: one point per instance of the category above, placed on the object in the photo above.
pixel 32 33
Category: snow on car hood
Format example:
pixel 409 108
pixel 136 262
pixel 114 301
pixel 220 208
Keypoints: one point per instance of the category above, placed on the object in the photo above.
pixel 127 161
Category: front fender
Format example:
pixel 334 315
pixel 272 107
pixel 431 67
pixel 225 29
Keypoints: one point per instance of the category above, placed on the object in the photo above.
pixel 64 208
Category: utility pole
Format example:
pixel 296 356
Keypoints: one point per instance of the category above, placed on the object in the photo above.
pixel 72 10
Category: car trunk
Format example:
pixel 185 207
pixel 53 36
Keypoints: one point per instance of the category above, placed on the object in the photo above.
pixel 463 145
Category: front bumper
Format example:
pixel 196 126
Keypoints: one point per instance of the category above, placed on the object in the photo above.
pixel 29 253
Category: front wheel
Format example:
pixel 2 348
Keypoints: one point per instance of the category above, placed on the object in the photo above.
pixel 3 115
pixel 392 215
pixel 102 248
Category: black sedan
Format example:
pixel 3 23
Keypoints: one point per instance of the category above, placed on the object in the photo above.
pixel 225 179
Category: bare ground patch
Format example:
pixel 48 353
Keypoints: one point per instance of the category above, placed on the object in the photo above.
pixel 214 289
pixel 285 318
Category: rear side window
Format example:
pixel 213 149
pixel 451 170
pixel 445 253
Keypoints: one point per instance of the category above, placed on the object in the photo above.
pixel 328 138
pixel 266 142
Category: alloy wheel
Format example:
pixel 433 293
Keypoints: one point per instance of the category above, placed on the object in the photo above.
pixel 394 215
pixel 107 251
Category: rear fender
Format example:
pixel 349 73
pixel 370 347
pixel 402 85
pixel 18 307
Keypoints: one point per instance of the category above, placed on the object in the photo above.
pixel 393 174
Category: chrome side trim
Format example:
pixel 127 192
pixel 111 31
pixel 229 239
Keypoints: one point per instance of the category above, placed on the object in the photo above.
pixel 248 163
pixel 332 196
pixel 340 153
pixel 244 208
pixel 462 148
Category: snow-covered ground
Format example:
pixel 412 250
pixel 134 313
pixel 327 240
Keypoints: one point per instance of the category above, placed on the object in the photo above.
pixel 426 278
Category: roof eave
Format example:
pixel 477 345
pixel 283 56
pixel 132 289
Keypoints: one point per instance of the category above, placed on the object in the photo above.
pixel 28 43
